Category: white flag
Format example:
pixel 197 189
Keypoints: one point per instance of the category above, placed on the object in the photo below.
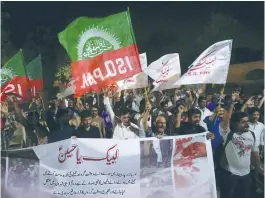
pixel 164 71
pixel 70 90
pixel 210 67
pixel 139 80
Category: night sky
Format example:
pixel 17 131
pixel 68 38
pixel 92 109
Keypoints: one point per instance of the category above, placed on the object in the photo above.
pixel 160 27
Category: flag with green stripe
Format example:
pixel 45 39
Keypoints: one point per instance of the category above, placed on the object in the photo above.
pixel 13 78
pixel 103 51
pixel 34 72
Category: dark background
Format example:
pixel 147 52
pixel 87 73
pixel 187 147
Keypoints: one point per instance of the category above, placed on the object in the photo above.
pixel 160 28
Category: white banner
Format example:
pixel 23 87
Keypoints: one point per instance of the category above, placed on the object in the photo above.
pixel 138 80
pixel 164 71
pixel 179 166
pixel 210 67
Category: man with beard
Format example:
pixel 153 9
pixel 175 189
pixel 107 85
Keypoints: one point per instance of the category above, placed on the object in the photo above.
pixel 123 128
pixel 97 121
pixel 240 149
pixel 86 130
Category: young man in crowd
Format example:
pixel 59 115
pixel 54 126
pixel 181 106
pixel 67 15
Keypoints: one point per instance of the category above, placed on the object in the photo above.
pixel 86 130
pixel 123 127
pixel 240 147
pixel 98 121
pixel 193 124
pixel 205 112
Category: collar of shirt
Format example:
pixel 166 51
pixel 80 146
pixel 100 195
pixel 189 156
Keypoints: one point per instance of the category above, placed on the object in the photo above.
pixel 87 129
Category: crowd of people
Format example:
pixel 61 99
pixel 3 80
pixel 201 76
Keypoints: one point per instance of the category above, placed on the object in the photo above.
pixel 234 122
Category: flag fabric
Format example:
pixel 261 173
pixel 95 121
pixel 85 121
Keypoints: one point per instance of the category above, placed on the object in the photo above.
pixel 137 81
pixel 103 51
pixel 69 90
pixel 14 79
pixel 164 71
pixel 211 67
pixel 34 73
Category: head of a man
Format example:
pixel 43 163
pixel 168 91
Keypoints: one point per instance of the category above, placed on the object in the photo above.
pixel 202 102
pixel 70 103
pixel 125 116
pixel 95 111
pixel 86 105
pixel 194 116
pixel 164 106
pixel 239 122
pixel 161 124
pixel 254 114
pixel 86 118
pixel 219 110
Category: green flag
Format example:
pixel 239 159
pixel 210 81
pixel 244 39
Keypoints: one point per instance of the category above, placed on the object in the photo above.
pixel 34 72
pixel 103 51
pixel 13 77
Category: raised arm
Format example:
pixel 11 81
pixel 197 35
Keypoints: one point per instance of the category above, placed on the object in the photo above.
pixel 227 115
pixel 108 107
pixel 19 117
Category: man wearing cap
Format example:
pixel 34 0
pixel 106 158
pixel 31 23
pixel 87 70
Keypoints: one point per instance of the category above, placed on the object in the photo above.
pixel 86 130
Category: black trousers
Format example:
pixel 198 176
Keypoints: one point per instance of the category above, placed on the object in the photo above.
pixel 234 186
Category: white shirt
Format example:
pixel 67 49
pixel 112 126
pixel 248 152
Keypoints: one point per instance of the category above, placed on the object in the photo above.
pixel 237 158
pixel 122 132
pixel 204 113
pixel 259 129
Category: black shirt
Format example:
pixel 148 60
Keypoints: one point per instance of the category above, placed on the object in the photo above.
pixel 93 132
pixel 188 128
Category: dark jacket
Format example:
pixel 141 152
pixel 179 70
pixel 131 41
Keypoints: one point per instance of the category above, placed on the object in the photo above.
pixel 93 132
pixel 61 133
pixel 187 128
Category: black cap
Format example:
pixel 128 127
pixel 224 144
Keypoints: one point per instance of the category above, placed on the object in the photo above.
pixel 85 114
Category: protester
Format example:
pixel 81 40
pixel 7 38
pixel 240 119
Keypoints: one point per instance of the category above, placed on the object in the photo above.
pixel 123 127
pixel 240 146
pixel 86 130
pixel 97 121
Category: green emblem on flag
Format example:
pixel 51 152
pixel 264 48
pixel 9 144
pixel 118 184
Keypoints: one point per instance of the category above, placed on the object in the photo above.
pixel 95 41
pixel 6 75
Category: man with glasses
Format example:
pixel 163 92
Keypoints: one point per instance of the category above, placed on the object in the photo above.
pixel 97 121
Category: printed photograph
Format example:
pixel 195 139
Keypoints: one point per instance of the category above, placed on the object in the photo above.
pixel 23 170
pixel 156 175
pixel 190 167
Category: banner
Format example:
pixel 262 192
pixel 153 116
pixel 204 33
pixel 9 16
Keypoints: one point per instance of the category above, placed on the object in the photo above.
pixel 179 166
pixel 103 51
pixel 164 71
pixel 137 81
pixel 13 78
pixel 34 73
pixel 211 67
